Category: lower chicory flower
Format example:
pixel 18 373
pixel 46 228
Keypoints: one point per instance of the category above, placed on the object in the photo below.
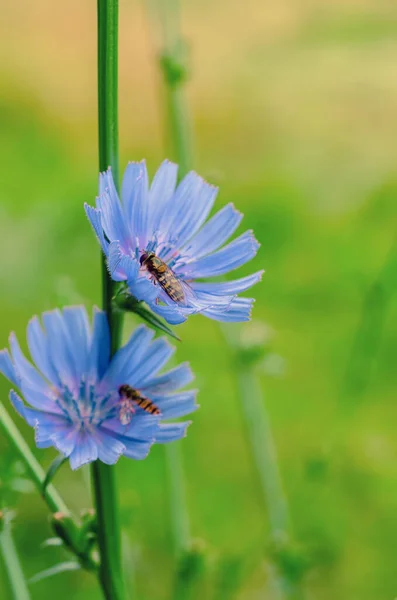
pixel 88 405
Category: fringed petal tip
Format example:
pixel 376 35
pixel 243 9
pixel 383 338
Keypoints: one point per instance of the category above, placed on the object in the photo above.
pixel 7 367
pixel 140 163
pixel 171 432
pixel 252 240
pixel 17 403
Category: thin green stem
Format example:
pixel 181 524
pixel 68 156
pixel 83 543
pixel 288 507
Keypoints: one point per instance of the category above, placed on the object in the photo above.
pixel 103 476
pixel 108 133
pixel 264 451
pixel 108 530
pixel 35 472
pixel 12 565
pixel 178 138
pixel 173 62
pixel 177 498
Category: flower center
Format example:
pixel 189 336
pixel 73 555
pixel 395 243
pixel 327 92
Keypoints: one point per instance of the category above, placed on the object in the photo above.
pixel 84 407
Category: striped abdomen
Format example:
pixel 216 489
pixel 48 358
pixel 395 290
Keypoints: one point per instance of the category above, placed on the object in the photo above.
pixel 164 276
pixel 129 397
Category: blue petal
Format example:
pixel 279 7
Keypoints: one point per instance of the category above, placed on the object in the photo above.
pixel 33 417
pixel 24 369
pixel 48 427
pixel 157 355
pixel 99 354
pixel 235 254
pixel 208 300
pixel 161 191
pixel 127 358
pixel 85 450
pixel 112 217
pixel 214 233
pixel 39 400
pixel 168 382
pixel 193 211
pixel 177 405
pixel 170 432
pixel 7 368
pixel 120 265
pixel 170 313
pixel 188 209
pixel 60 350
pixel 143 289
pixel 142 426
pixel 137 449
pixel 95 218
pixel 78 330
pixel 239 311
pixel 109 448
pixel 65 441
pixel 228 287
pixel 40 351
pixel 135 197
pixel 18 404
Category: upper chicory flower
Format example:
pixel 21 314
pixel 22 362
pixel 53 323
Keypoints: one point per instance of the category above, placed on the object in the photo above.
pixel 158 241
pixel 90 406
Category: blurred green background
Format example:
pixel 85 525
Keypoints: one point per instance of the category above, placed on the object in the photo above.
pixel 294 108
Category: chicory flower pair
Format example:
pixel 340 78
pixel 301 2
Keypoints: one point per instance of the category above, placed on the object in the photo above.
pixel 91 406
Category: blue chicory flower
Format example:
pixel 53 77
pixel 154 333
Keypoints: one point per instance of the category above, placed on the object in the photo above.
pixel 72 394
pixel 169 223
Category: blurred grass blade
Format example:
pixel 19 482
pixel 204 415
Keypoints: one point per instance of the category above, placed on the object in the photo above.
pixel 190 572
pixel 368 335
pixel 60 568
pixel 229 575
pixel 11 562
pixel 55 465
pixel 51 542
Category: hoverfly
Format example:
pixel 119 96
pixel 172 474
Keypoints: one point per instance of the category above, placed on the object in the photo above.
pixel 130 397
pixel 175 288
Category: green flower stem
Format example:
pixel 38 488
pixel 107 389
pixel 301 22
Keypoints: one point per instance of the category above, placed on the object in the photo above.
pixel 174 69
pixel 35 472
pixel 264 452
pixel 177 498
pixel 108 531
pixel 11 562
pixel 174 66
pixel 284 557
pixel 103 476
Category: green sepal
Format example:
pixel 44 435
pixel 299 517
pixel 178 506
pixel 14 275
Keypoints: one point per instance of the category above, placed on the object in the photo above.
pixel 66 529
pixel 123 300
pixel 55 465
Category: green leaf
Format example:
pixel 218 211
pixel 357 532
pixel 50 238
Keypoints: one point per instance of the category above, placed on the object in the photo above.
pixel 154 321
pixel 125 301
pixel 55 465
pixel 60 568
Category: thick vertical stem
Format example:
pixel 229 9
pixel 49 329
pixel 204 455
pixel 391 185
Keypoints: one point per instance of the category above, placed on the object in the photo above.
pixel 103 476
